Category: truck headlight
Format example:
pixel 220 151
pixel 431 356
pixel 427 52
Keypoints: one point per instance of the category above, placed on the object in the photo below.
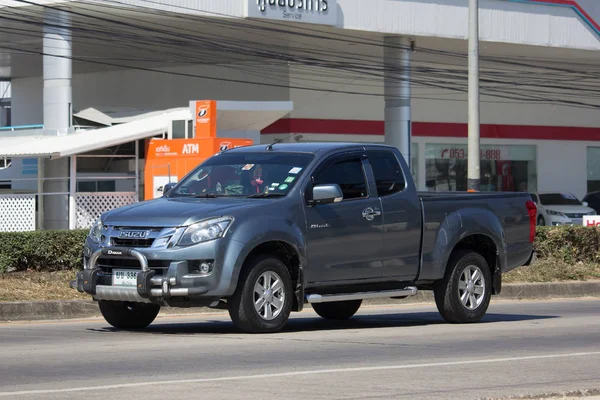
pixel 96 231
pixel 205 231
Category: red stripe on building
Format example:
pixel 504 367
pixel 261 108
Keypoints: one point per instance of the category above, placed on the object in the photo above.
pixel 431 129
pixel 569 3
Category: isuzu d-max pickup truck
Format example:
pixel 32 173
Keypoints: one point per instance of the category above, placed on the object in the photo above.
pixel 264 230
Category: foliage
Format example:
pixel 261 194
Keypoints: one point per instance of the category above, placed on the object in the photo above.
pixel 568 244
pixel 47 250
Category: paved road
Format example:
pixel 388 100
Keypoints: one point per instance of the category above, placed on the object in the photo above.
pixel 384 353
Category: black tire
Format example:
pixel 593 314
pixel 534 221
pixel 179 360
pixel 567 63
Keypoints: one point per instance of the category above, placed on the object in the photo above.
pixel 448 294
pixel 241 304
pixel 126 315
pixel 541 221
pixel 338 310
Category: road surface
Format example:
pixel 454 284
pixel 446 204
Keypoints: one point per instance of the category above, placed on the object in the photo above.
pixel 392 352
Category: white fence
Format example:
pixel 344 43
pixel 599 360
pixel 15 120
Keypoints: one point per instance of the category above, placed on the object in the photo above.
pixel 17 212
pixel 91 205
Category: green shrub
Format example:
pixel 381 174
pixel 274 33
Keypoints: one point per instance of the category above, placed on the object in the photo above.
pixel 49 250
pixel 569 244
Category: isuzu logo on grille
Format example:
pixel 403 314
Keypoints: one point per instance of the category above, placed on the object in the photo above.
pixel 133 234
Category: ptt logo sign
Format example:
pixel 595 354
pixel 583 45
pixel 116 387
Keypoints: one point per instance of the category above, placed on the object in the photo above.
pixel 224 146
pixel 203 116
pixel 190 148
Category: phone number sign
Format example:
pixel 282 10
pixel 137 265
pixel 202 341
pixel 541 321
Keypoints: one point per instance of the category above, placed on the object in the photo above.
pixel 461 154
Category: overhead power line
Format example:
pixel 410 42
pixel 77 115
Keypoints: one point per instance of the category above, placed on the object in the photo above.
pixel 507 80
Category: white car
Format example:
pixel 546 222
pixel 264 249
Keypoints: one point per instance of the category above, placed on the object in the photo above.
pixel 560 208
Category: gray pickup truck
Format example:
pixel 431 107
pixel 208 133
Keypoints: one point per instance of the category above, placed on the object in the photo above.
pixel 263 230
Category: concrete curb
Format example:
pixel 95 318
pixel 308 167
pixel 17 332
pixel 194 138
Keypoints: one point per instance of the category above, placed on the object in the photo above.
pixel 70 309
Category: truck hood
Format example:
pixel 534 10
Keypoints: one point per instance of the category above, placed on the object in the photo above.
pixel 170 212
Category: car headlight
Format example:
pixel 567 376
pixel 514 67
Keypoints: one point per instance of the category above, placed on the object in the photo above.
pixel 559 214
pixel 96 231
pixel 205 231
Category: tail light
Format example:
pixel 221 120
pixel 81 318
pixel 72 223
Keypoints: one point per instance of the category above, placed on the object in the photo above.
pixel 532 211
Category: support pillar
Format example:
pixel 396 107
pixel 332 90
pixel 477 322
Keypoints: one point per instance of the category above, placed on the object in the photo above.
pixel 397 94
pixel 57 112
pixel 73 193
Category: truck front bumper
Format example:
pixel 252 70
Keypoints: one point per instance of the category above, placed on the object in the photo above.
pixel 151 285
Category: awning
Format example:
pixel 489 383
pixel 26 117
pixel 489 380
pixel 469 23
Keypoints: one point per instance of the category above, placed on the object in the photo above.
pixel 85 141
pixel 232 116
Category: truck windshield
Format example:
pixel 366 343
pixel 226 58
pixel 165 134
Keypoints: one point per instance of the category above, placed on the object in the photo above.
pixel 243 175
pixel 559 199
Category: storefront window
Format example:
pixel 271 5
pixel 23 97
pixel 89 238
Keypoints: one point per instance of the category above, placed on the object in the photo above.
pixel 503 168
pixel 593 169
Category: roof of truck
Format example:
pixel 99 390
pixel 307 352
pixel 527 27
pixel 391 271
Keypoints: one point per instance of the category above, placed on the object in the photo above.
pixel 308 147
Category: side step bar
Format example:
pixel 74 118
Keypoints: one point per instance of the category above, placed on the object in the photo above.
pixel 324 298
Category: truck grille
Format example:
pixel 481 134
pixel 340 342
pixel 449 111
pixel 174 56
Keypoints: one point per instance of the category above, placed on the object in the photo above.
pixel 110 263
pixel 121 242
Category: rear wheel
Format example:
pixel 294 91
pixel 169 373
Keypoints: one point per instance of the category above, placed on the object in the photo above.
pixel 338 309
pixel 263 299
pixel 464 294
pixel 125 315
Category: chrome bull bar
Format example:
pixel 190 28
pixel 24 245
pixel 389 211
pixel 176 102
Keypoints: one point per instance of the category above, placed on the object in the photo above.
pixel 143 292
pixel 87 280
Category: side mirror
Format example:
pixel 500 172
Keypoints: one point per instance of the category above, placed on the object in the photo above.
pixel 168 187
pixel 329 193
pixel 585 203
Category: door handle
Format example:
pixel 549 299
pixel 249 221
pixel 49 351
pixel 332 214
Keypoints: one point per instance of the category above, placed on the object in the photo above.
pixel 370 213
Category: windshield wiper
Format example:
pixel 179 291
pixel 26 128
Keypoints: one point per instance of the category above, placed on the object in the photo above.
pixel 261 195
pixel 205 196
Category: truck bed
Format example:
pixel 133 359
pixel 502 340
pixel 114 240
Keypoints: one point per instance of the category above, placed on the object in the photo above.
pixel 451 216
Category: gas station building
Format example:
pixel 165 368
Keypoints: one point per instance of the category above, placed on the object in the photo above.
pixel 92 81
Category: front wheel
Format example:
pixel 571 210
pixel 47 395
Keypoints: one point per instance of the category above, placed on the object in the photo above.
pixel 464 294
pixel 263 299
pixel 541 221
pixel 125 315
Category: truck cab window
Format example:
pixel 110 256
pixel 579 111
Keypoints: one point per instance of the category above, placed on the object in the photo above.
pixel 348 174
pixel 387 171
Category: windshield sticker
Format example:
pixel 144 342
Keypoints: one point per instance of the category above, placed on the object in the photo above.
pixel 283 187
pixel 247 167
pixel 295 170
pixel 274 184
pixel 568 196
pixel 289 179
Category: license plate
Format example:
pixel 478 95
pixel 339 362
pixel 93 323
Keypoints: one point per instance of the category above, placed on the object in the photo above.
pixel 124 277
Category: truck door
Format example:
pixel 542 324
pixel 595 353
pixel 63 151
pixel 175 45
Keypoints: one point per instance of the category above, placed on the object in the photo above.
pixel 402 215
pixel 345 238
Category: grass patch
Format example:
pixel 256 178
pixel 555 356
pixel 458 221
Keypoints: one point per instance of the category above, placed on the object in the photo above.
pixel 553 270
pixel 34 285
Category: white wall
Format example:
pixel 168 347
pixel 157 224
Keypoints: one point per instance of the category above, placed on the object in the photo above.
pixel 431 105
pixel 152 90
pixel 500 21
pixel 27 101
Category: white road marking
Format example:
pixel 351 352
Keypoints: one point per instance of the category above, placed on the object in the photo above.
pixel 296 373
